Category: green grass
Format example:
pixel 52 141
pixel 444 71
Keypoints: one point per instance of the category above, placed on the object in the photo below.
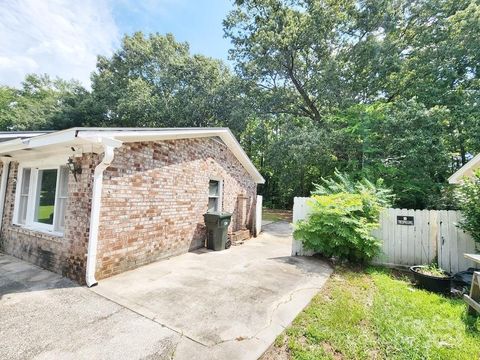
pixel 271 217
pixel 44 212
pixel 373 315
pixel 276 215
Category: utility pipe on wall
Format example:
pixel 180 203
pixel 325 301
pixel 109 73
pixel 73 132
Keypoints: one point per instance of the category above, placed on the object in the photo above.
pixel 109 146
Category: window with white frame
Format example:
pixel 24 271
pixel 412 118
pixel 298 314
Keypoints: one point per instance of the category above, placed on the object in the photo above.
pixel 41 198
pixel 214 196
pixel 23 198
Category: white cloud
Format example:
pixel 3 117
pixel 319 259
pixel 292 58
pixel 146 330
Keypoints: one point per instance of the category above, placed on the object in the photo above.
pixel 58 37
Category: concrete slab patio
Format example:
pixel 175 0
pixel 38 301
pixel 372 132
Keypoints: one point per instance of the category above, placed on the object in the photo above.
pixel 203 305
pixel 231 302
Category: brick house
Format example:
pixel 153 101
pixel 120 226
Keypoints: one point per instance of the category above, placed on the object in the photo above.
pixel 90 203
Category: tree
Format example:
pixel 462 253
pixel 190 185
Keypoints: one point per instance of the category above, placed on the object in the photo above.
pixel 44 104
pixel 405 144
pixel 282 47
pixel 391 88
pixel 154 81
pixel 440 54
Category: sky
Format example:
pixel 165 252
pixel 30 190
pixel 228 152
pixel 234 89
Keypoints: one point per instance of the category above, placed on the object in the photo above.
pixel 63 37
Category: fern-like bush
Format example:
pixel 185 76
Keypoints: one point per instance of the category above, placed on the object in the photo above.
pixel 343 215
pixel 469 201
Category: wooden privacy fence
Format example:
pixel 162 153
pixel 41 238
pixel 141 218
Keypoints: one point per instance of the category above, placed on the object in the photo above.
pixel 412 237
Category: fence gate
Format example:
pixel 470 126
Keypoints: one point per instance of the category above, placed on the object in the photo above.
pixel 453 243
pixel 414 237
pixel 409 237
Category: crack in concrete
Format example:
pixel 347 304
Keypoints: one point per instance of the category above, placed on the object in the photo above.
pixel 105 317
pixel 151 319
pixel 172 356
pixel 270 318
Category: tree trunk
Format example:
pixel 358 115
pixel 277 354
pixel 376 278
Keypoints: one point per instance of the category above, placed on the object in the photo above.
pixel 312 109
pixel 314 113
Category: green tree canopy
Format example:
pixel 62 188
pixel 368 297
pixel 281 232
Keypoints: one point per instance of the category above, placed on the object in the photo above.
pixel 155 81
pixel 385 89
pixel 43 103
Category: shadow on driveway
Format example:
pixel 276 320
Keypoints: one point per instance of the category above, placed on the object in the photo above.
pixel 17 276
pixel 45 316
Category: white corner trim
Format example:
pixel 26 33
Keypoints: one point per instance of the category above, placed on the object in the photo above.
pixel 109 147
pixel 3 187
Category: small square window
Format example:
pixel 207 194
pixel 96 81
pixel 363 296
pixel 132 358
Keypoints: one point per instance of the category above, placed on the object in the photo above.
pixel 213 188
pixel 214 196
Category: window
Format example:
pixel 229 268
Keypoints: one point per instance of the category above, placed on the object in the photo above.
pixel 214 196
pixel 62 195
pixel 41 198
pixel 45 197
pixel 23 201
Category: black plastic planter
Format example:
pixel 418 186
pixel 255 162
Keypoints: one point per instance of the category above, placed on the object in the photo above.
pixel 436 284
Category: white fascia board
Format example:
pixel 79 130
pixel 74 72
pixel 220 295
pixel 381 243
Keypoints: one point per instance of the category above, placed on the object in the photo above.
pixel 456 178
pixel 132 135
pixel 240 154
pixel 23 135
pixel 38 141
pixel 12 145
pixel 59 137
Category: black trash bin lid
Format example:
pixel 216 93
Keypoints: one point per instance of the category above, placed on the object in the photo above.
pixel 218 215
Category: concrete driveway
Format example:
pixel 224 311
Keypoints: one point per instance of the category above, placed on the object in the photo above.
pixel 45 316
pixel 203 305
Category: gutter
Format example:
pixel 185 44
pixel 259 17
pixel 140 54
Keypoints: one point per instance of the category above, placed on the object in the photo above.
pixel 109 145
pixel 3 188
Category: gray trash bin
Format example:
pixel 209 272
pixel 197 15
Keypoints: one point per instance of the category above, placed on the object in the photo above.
pixel 217 228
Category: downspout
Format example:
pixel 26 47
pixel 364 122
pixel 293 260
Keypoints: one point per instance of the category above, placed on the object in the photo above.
pixel 3 188
pixel 109 146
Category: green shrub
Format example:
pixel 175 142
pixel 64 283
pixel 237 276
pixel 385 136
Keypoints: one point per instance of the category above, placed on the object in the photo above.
pixel 469 200
pixel 343 215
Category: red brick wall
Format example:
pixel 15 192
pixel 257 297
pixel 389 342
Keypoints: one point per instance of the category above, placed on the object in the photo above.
pixel 154 197
pixel 155 194
pixel 65 254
